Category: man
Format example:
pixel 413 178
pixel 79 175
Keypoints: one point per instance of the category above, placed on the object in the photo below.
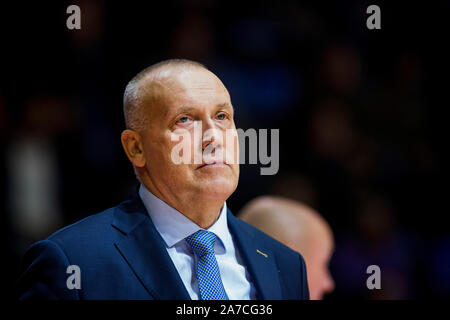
pixel 300 228
pixel 174 238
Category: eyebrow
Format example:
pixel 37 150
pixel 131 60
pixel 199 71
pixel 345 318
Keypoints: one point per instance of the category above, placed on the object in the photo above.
pixel 224 105
pixel 183 110
pixel 187 109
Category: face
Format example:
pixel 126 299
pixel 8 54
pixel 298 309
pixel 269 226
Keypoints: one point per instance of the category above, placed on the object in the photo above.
pixel 191 118
pixel 320 281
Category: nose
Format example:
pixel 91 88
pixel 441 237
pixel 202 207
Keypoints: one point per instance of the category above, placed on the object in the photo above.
pixel 211 136
pixel 208 141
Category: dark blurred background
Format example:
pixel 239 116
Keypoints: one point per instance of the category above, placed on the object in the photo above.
pixel 361 115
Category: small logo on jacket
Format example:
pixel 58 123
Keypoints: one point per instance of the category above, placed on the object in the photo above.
pixel 262 253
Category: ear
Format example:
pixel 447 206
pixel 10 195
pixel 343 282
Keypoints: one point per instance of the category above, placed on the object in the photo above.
pixel 132 144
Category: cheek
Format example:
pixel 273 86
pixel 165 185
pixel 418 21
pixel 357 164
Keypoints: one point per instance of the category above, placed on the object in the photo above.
pixel 186 144
pixel 313 270
pixel 231 146
pixel 158 152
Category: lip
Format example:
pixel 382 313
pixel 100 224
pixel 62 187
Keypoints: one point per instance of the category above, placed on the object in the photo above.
pixel 212 164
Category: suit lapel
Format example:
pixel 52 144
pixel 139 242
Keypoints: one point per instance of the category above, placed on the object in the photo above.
pixel 145 252
pixel 259 260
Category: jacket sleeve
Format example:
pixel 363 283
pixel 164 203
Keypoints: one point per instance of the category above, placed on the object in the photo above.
pixel 44 274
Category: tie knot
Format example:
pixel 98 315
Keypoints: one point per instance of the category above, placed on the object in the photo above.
pixel 202 242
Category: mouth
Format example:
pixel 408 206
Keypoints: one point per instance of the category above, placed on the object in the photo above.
pixel 213 164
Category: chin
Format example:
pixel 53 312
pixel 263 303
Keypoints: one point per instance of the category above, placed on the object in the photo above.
pixel 217 189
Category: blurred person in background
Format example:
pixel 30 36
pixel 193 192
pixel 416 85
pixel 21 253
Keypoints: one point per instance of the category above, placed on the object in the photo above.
pixel 300 228
pixel 34 171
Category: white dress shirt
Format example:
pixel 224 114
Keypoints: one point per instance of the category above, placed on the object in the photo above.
pixel 174 227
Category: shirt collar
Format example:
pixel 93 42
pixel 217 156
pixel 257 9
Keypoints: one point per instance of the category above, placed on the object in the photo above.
pixel 175 226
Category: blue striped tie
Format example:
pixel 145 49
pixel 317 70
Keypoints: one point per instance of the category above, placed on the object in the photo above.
pixel 208 275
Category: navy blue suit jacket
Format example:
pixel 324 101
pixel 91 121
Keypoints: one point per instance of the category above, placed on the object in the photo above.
pixel 121 255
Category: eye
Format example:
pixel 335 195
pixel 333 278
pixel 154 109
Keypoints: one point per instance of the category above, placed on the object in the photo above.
pixel 184 120
pixel 221 116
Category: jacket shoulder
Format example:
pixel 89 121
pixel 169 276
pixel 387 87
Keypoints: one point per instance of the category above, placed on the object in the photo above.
pixel 93 228
pixel 87 226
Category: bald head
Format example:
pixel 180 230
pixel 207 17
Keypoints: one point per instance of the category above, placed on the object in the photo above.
pixel 288 221
pixel 147 88
pixel 300 228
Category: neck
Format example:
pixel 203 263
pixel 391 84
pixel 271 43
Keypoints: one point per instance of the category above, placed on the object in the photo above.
pixel 202 215
pixel 200 210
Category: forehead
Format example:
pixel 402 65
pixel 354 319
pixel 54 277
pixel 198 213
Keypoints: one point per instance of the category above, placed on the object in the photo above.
pixel 196 86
